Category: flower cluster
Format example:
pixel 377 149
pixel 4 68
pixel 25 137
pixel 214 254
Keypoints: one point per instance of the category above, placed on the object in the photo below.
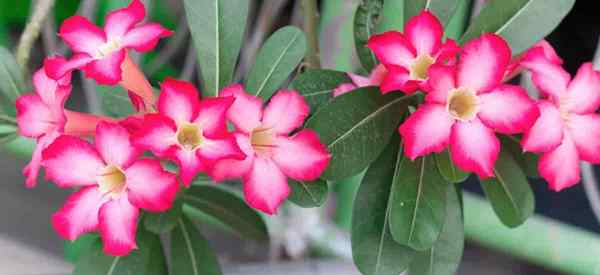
pixel 104 157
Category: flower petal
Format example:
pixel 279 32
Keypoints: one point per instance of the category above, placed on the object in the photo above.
pixel 246 111
pixel 265 187
pixel 508 109
pixel 150 187
pixel 547 131
pixel 550 78
pixel 189 164
pixel 112 142
pixel 120 21
pixel 57 67
pixel 447 53
pixel 425 32
pixel 71 161
pixel 79 214
pixel 34 118
pixel 212 116
pixel 584 90
pixel 157 134
pixel 441 82
pixel 483 63
pixel 427 130
pixel 560 167
pixel 145 37
pixel 301 156
pixel 286 111
pixel 398 79
pixel 343 88
pixel 178 100
pixel 392 48
pixel 32 169
pixel 230 168
pixel 118 223
pixel 213 150
pixel 585 132
pixel 107 70
pixel 52 92
pixel 82 35
pixel 474 147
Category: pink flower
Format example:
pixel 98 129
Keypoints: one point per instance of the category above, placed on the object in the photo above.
pixel 515 68
pixel 358 81
pixel 187 130
pixel 113 184
pixel 568 129
pixel 408 56
pixel 271 154
pixel 466 105
pixel 100 52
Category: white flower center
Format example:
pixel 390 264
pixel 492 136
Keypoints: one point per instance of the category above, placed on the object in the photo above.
pixel 107 48
pixel 463 104
pixel 189 136
pixel 112 181
pixel 263 140
pixel 564 107
pixel 419 68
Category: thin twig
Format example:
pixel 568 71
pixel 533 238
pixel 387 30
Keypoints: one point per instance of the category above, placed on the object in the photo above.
pixel 311 24
pixel 190 63
pixel 171 48
pixel 32 31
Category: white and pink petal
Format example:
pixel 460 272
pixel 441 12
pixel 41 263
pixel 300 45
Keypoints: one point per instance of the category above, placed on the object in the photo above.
pixel 392 48
pixel 117 222
pixel 474 147
pixel 425 32
pixel 113 143
pixel 150 187
pixel 427 130
pixel 178 100
pixel 585 132
pixel 79 214
pixel 265 186
pixel 302 156
pixel 508 109
pixel 246 111
pixel 286 111
pixel 547 131
pixel 483 62
pixel 560 167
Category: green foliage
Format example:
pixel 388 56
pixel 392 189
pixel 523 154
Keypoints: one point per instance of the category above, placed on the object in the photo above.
pixel 114 100
pixel 190 252
pixel 163 222
pixel 392 16
pixel 308 194
pixel 365 22
pixel 12 84
pixel 447 169
pixel 316 85
pixel 442 9
pixel 74 248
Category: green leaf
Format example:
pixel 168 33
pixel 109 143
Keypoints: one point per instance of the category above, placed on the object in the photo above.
pixel 444 257
pixel 275 61
pixel 115 101
pixel 365 21
pixel 521 22
pixel 509 192
pixel 526 160
pixel 74 249
pixel 356 126
pixel 159 223
pixel 217 27
pixel 308 194
pixel 12 84
pixel 317 85
pixel 418 203
pixel 442 9
pixel 373 249
pixel 392 16
pixel 148 259
pixel 448 170
pixel 229 209
pixel 190 252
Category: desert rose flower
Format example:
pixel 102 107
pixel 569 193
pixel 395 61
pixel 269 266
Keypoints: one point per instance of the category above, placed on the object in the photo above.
pixel 466 105
pixel 114 183
pixel 187 130
pixel 272 155
pixel 568 129
pixel 515 67
pixel 407 56
pixel 358 81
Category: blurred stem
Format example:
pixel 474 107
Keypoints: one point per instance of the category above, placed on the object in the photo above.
pixel 32 31
pixel 311 23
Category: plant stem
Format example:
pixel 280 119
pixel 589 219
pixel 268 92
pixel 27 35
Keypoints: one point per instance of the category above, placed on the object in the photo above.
pixel 32 31
pixel 311 22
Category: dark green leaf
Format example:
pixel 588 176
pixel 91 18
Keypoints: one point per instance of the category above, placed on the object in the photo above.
pixel 521 22
pixel 527 161
pixel 115 101
pixel 317 85
pixel 217 27
pixel 12 84
pixel 444 257
pixel 365 21
pixel 448 170
pixel 509 192
pixel 159 223
pixel 8 133
pixel 74 249
pixel 442 9
pixel 275 61
pixel 373 249
pixel 418 203
pixel 308 194
pixel 356 126
pixel 227 208
pixel 392 16
pixel 190 252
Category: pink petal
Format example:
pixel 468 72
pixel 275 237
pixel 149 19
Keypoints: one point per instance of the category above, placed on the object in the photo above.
pixel 508 109
pixel 145 37
pixel 474 147
pixel 51 91
pixel 230 168
pixel 120 21
pixel 483 63
pixel 286 111
pixel 246 111
pixel 213 150
pixel 118 223
pixel 549 77
pixel 79 214
pixel 178 100
pixel 150 187
pixel 427 130
pixel 360 80
pixel 265 186
pixel 157 134
pixel 71 161
pixel 425 32
pixel 447 53
pixel 32 169
pixel 584 90
pixel 560 167
pixel 34 118
pixel 57 67
pixel 547 132
pixel 82 35
pixel 189 164
pixel 585 131
pixel 441 82
pixel 137 102
pixel 343 88
pixel 107 70
pixel 112 142
pixel 392 48
pixel 398 79
pixel 212 116
pixel 301 156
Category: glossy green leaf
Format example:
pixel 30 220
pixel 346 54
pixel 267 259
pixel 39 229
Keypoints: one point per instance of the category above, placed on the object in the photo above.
pixel 227 208
pixel 217 28
pixel 190 252
pixel 448 170
pixel 526 160
pixel 444 257
pixel 521 22
pixel 356 126
pixel 115 101
pixel 308 194
pixel 418 203
pixel 148 259
pixel 442 9
pixel 392 16
pixel 163 222
pixel 316 85
pixel 275 61
pixel 373 249
pixel 509 192
pixel 365 22
pixel 12 84
pixel 74 249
